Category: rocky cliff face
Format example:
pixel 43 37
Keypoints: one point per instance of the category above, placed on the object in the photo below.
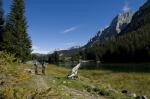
pixel 140 18
pixel 117 25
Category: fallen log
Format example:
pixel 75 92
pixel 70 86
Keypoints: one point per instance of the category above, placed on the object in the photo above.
pixel 74 72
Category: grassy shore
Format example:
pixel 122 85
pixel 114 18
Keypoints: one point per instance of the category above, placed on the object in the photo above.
pixel 18 81
pixel 134 82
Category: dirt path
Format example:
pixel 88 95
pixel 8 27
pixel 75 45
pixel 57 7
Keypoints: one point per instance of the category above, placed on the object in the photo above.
pixel 81 94
pixel 75 94
pixel 40 83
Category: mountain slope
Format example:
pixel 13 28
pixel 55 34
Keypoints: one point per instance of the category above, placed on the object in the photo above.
pixel 116 26
pixel 131 45
pixel 140 18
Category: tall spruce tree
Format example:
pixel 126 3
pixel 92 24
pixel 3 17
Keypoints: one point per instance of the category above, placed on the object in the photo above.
pixel 1 23
pixel 17 37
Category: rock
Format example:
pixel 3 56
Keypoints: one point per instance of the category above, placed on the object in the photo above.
pixel 131 95
pixel 28 71
pixel 1 82
pixel 96 89
pixel 126 92
pixel 141 97
pixel 101 93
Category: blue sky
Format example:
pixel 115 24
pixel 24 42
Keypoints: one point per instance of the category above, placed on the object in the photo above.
pixel 61 24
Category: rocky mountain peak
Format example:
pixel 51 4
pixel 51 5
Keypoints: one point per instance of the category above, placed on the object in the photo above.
pixel 121 21
pixel 116 26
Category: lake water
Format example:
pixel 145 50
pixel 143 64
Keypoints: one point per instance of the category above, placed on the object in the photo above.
pixel 132 67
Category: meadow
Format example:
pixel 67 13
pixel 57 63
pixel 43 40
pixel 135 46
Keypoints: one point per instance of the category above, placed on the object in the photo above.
pixel 135 82
pixel 20 82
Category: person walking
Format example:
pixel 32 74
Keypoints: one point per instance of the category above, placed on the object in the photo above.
pixel 36 68
pixel 43 68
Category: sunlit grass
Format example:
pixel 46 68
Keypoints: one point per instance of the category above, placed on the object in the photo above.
pixel 22 84
pixel 134 82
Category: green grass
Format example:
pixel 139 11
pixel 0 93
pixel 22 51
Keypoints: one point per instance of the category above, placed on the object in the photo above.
pixel 21 85
pixel 134 82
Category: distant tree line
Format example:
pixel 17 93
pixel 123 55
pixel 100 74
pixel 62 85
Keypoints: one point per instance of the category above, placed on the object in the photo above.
pixel 13 31
pixel 49 58
pixel 131 47
pixel 53 58
pixel 40 57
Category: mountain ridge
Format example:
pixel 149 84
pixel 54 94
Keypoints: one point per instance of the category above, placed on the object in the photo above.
pixel 131 45
pixel 140 18
pixel 116 26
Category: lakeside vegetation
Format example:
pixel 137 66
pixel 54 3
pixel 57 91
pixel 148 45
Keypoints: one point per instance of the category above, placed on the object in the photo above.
pixel 19 81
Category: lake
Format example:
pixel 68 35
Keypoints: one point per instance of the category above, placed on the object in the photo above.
pixel 116 67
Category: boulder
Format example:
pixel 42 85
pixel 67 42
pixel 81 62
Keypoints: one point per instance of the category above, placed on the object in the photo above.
pixel 130 94
pixel 2 82
pixel 124 91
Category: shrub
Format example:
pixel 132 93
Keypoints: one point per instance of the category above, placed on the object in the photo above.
pixel 7 58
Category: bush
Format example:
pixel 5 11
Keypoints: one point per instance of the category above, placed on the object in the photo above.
pixel 7 58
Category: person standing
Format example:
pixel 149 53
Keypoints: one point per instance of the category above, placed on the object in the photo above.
pixel 43 68
pixel 36 68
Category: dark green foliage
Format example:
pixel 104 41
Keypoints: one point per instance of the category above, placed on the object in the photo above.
pixel 16 39
pixel 54 58
pixel 1 23
pixel 132 45
pixel 75 57
pixel 40 57
pixel 71 54
pixel 7 58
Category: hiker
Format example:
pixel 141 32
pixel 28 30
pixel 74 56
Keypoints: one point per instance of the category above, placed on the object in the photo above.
pixel 36 68
pixel 43 68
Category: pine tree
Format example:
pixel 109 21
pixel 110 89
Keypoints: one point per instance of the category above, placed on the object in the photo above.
pixel 16 36
pixel 1 23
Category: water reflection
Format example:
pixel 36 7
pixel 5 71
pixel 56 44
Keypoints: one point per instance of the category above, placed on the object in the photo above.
pixel 143 67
